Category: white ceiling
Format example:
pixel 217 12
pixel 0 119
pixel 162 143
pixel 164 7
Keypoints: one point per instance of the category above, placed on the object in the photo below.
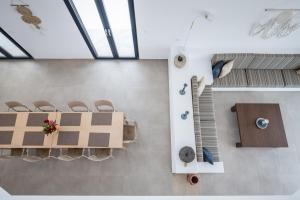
pixel 160 24
pixel 59 37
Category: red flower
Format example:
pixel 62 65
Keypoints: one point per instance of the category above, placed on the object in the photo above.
pixel 46 121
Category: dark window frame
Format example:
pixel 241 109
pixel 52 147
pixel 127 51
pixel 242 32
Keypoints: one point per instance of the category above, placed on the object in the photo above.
pixel 99 4
pixel 7 54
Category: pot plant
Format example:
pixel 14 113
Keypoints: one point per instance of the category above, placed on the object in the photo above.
pixel 49 126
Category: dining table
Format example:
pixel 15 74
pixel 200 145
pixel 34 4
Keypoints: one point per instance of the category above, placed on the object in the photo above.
pixel 74 130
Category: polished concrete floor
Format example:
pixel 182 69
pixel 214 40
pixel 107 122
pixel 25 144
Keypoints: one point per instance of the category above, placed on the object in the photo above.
pixel 140 88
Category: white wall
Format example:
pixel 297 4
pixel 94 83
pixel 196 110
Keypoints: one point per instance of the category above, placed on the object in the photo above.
pixel 159 24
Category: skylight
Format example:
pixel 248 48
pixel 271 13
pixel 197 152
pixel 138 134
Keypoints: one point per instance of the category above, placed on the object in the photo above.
pixel 107 26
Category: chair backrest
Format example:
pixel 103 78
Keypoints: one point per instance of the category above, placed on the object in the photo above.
pixel 100 154
pixel 129 131
pixel 31 155
pixel 78 106
pixel 104 106
pixel 44 106
pixel 17 106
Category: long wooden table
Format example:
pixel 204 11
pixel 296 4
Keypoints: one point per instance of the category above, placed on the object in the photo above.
pixel 75 130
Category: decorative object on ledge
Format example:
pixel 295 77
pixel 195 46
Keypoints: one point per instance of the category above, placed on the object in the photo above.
pixel 27 15
pixel 184 115
pixel 298 71
pixel 182 91
pixel 49 126
pixel 192 179
pixel 186 154
pixel 281 25
pixel 180 60
pixel 262 123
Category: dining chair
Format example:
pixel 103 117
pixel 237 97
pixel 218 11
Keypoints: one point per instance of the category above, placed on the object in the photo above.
pixel 17 106
pixel 35 155
pixel 54 153
pixel 44 106
pixel 16 152
pixel 129 131
pixel 104 106
pixel 5 154
pixel 78 106
pixel 85 152
pixel 70 154
pixel 100 154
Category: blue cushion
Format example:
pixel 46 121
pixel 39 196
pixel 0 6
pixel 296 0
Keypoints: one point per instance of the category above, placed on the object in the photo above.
pixel 217 68
pixel 207 156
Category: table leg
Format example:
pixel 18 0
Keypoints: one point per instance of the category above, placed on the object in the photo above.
pixel 233 109
pixel 238 145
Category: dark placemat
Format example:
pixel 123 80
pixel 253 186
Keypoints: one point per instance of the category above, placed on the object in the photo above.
pixel 33 138
pixel 36 119
pixel 6 137
pixel 101 119
pixel 8 119
pixel 70 119
pixel 68 138
pixel 99 139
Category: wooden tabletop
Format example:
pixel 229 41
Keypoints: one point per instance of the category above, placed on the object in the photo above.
pixel 75 130
pixel 251 135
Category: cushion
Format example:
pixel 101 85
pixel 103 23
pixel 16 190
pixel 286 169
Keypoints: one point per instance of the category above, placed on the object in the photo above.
pixel 201 86
pixel 236 78
pixel 226 69
pixel 264 78
pixel 291 78
pixel 207 156
pixel 217 68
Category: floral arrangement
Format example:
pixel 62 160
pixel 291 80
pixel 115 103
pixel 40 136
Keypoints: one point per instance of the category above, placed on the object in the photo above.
pixel 49 126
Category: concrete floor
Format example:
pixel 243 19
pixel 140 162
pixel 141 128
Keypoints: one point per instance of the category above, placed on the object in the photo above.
pixel 140 88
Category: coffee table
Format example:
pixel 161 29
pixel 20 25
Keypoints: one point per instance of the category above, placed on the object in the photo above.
pixel 250 134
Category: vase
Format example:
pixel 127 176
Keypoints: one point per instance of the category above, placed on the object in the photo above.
pixel 192 179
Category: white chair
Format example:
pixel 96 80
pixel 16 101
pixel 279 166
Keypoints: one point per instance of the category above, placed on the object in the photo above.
pixel 129 132
pixel 5 154
pixel 78 106
pixel 35 155
pixel 104 106
pixel 99 154
pixel 17 106
pixel 70 154
pixel 44 106
pixel 11 153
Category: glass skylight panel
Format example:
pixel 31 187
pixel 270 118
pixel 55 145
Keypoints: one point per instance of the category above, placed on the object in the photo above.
pixel 1 55
pixel 91 20
pixel 10 47
pixel 119 20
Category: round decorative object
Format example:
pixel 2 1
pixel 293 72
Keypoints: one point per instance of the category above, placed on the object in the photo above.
pixel 192 179
pixel 180 60
pixel 23 10
pixel 187 154
pixel 262 123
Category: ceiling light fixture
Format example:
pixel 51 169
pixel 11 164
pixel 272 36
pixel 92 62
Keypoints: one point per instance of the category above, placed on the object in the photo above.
pixel 281 25
pixel 27 15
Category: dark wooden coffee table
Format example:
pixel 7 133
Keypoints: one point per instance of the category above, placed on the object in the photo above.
pixel 251 136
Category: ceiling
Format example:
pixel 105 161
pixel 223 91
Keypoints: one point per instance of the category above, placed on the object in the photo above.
pixel 160 24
